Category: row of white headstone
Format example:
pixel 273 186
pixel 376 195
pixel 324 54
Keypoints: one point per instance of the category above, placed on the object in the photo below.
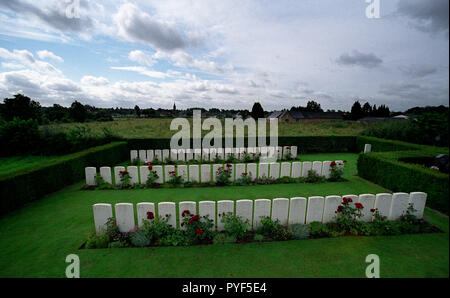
pixel 287 211
pixel 211 153
pixel 206 173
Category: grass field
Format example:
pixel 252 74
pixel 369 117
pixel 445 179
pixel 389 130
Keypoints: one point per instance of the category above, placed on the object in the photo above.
pixel 160 128
pixel 36 239
pixel 15 163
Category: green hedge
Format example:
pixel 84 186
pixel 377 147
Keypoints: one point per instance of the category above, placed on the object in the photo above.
pixel 306 144
pixel 386 170
pixel 23 186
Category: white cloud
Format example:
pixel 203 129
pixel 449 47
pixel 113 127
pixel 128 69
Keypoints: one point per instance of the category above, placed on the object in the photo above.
pixel 44 54
pixel 143 71
pixel 95 81
pixel 141 58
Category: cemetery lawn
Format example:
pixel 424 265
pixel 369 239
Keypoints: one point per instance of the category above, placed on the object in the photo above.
pixel 36 239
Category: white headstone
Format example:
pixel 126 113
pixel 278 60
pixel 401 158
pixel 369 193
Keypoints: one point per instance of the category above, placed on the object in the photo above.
pixel 263 151
pixel 286 151
pixel 181 155
pixel 142 209
pixel 296 169
pixel 212 154
pixel 315 209
pixel 105 172
pixel 144 171
pixel 280 210
pixel 133 155
pixel 159 172
pixel 226 207
pixel 294 152
pixel 90 173
pixel 207 208
pixel 286 169
pixel 189 154
pixel 173 154
pixel 326 169
pixel 134 176
pixel 272 153
pixel 158 155
pixel 101 214
pixel 251 150
pixel 124 217
pixel 368 202
pixel 251 170
pixel 367 148
pixel 228 152
pixel 215 169
pixel 150 155
pixel 279 152
pixel 331 205
pixel 167 210
pixel 306 167
pixel 297 210
pixel 244 209
pixel 240 169
pixel 353 198
pixel 383 202
pixel 165 154
pixel 197 154
pixel 205 154
pixel 142 155
pixel 206 173
pixel 193 173
pixel 262 208
pixel 167 170
pixel 418 200
pixel 399 205
pixel 263 170
pixel 117 176
pixel 182 171
pixel 274 170
pixel 189 206
pixel 220 153
pixel 317 167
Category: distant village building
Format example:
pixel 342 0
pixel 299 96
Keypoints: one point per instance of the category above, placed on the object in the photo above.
pixel 297 116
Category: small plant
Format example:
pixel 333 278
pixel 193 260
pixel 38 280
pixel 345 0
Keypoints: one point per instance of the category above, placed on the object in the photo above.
pixel 245 179
pixel 223 175
pixel 319 230
pixel 287 154
pixel 174 179
pixel 177 238
pixel 198 228
pixel 314 177
pixel 300 231
pixel 348 214
pixel 95 241
pixel 234 226
pixel 258 237
pixel 152 176
pixel 140 238
pixel 336 171
pixel 125 179
pixel 136 162
pixel 273 229
pixel 223 238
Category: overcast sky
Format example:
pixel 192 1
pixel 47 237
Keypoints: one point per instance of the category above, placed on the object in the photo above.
pixel 226 53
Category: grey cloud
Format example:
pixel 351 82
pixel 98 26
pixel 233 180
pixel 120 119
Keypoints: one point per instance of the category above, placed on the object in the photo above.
pixel 416 94
pixel 54 16
pixel 360 59
pixel 138 26
pixel 426 15
pixel 418 71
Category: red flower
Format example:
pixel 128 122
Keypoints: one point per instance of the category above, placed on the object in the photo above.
pixel 244 174
pixel 185 212
pixel 359 206
pixel 226 171
pixel 339 209
pixel 182 224
pixel 372 210
pixel 194 218
pixel 228 165
pixel 345 161
pixel 333 163
pixel 150 167
pixel 288 148
pixel 150 215
pixel 200 232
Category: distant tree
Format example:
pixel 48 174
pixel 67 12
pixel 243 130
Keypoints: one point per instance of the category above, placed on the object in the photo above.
pixel 383 111
pixel 257 111
pixel 137 110
pixel 57 113
pixel 367 109
pixel 356 111
pixel 22 107
pixel 313 106
pixel 78 112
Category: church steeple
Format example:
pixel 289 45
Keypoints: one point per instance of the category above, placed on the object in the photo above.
pixel 174 106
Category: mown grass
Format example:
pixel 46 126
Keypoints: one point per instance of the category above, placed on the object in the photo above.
pixel 15 163
pixel 160 128
pixel 36 239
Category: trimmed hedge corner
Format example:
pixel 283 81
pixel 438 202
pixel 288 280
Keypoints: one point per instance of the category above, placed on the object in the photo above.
pixel 386 170
pixel 24 186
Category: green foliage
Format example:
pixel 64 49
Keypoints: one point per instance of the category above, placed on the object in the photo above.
pixel 336 171
pixel 140 238
pixel 348 214
pixel 223 238
pixel 174 179
pixel 21 107
pixel 314 177
pixel 245 179
pixel 234 226
pixel 273 229
pixel 18 136
pixel 95 241
pixel 176 238
pixel 152 177
pixel 58 174
pixel 199 229
pixel 258 237
pixel 257 111
pixel 223 175
pixel 300 231
pixel 319 230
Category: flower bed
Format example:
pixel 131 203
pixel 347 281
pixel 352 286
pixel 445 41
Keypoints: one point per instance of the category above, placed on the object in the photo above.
pixel 197 230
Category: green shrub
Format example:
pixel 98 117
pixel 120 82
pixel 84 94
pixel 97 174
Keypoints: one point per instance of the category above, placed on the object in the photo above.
pixel 258 237
pixel 273 229
pixel 223 238
pixel 300 231
pixel 140 238
pixel 95 241
pixel 234 226
pixel 26 185
pixel 198 228
pixel 18 136
pixel 319 230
